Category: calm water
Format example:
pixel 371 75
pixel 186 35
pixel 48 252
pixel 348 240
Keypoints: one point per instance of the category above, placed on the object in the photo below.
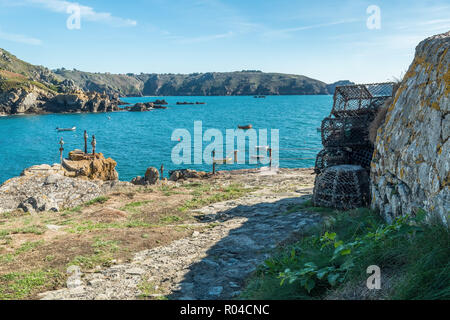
pixel 139 140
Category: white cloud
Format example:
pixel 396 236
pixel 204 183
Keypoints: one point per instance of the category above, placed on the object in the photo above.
pixel 20 38
pixel 87 13
pixel 288 31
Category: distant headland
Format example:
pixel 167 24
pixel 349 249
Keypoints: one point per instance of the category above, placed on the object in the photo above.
pixel 31 89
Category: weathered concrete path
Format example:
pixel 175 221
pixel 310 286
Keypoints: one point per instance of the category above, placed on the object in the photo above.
pixel 212 264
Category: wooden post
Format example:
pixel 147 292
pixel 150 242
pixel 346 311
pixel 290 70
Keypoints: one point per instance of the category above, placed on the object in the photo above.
pixel 214 162
pixel 235 156
pixel 162 171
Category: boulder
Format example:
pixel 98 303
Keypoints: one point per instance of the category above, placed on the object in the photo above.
pixel 138 107
pixel 138 181
pixel 187 174
pixel 88 166
pixel 39 204
pixel 175 176
pixel 152 175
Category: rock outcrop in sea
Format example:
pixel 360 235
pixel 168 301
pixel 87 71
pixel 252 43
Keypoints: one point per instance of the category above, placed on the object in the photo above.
pixel 35 100
pixel 410 168
pixel 88 166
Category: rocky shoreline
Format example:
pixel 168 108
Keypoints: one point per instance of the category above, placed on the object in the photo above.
pixel 79 179
pixel 35 100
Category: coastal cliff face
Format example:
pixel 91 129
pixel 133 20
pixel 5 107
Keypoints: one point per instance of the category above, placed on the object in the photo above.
pixel 199 84
pixel 410 168
pixel 34 100
pixel 29 89
pixel 24 100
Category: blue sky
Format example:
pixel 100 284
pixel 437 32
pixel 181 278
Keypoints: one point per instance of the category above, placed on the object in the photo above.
pixel 327 40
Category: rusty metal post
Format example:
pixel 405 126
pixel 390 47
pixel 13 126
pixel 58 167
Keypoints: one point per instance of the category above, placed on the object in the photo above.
pixel 85 141
pixel 214 162
pixel 61 149
pixel 93 144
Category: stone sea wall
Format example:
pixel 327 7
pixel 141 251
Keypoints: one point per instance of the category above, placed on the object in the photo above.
pixel 410 168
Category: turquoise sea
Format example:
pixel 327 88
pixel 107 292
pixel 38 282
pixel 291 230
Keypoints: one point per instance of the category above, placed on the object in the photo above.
pixel 140 140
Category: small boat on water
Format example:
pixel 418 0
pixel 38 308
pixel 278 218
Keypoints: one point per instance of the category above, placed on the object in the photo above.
pixel 66 129
pixel 247 127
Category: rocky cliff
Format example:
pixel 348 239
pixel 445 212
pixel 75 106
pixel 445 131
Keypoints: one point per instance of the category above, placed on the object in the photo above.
pixel 25 88
pixel 199 84
pixel 35 100
pixel 410 168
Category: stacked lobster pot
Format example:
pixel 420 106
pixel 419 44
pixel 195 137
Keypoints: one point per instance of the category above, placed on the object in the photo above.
pixel 345 137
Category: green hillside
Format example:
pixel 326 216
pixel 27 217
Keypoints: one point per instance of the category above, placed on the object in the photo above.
pixel 196 84
pixel 17 73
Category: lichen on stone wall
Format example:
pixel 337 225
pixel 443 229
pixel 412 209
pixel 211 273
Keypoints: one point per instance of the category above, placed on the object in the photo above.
pixel 410 167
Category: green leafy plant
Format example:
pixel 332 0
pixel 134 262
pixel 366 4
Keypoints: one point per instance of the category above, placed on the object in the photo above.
pixel 342 254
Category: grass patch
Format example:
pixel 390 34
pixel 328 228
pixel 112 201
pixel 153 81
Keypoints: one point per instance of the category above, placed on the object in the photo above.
pixel 34 229
pixel 90 226
pixel 148 289
pixel 76 209
pixel 168 190
pixel 230 192
pixel 25 247
pixel 170 219
pixel 134 206
pixel 99 200
pixel 29 246
pixel 7 258
pixel 139 224
pixel 327 261
pixel 103 254
pixel 21 285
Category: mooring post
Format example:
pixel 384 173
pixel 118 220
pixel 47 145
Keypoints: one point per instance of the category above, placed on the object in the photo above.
pixel 214 162
pixel 61 149
pixel 270 157
pixel 93 144
pixel 85 141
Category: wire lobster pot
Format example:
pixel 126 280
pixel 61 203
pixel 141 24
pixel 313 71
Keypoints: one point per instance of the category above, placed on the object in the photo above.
pixel 362 155
pixel 329 157
pixel 342 187
pixel 360 99
pixel 348 131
